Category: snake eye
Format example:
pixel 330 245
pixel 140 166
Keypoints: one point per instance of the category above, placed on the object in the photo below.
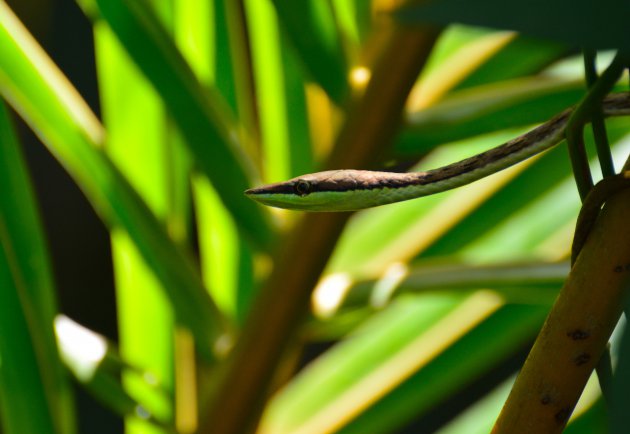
pixel 302 187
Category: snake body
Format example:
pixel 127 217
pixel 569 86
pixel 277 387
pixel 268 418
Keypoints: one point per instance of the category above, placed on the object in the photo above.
pixel 350 190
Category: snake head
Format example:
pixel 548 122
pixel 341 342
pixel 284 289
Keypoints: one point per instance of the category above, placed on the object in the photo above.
pixel 333 190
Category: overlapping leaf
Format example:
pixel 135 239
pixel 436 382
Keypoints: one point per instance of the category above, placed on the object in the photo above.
pixel 42 96
pixel 28 350
pixel 200 113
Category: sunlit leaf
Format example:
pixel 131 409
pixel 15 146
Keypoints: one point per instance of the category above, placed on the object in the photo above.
pixel 527 283
pixel 479 418
pixel 53 109
pixel 487 109
pixel 594 420
pixel 550 174
pixel 225 257
pixel 280 92
pixel 401 363
pixel 533 54
pixel 312 29
pixel 200 113
pixel 146 323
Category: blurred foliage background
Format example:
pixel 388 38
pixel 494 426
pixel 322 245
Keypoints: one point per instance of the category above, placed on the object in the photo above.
pixel 129 130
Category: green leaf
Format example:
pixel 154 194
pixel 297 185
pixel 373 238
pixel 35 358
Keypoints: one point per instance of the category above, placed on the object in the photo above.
pixel 29 410
pixel 475 354
pixel 349 362
pixel 592 421
pixel 49 104
pixel 145 317
pixel 522 56
pixel 378 237
pixel 311 28
pixel 441 225
pixel 401 363
pixel 29 361
pixel 486 109
pixel 280 94
pixel 479 418
pixel 200 113
pixel 225 257
pixel 524 283
pixel 550 175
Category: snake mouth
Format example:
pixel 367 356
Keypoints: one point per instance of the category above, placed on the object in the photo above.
pixel 278 195
pixel 270 189
pixel 253 191
pixel 273 200
pixel 282 196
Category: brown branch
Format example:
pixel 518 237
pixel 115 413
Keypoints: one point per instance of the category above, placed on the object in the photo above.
pixel 576 331
pixel 282 305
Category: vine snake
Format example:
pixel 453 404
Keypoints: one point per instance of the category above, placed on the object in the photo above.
pixel 350 190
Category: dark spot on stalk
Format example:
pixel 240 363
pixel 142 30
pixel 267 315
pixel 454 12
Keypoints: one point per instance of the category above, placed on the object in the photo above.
pixel 581 359
pixel 578 335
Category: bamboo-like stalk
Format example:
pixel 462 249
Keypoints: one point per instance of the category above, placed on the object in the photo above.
pixel 283 302
pixel 576 331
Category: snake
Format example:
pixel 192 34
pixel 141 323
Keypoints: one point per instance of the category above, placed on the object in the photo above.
pixel 352 190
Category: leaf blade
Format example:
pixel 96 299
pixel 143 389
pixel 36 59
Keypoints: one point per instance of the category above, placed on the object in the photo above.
pixel 53 109
pixel 28 351
pixel 201 114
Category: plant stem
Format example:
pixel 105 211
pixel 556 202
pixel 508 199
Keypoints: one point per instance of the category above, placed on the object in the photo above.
pixel 579 117
pixel 597 119
pixel 248 374
pixel 576 331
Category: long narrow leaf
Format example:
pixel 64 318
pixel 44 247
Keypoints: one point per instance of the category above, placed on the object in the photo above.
pixel 27 411
pixel 487 109
pixel 200 113
pixel 40 93
pixel 400 364
pixel 36 394
pixel 475 354
pixel 145 317
pixel 533 54
pixel 225 256
pixel 517 282
pixel 500 214
pixel 312 29
pixel 280 94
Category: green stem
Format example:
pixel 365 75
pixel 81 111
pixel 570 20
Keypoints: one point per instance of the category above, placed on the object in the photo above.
pixel 597 119
pixel 604 366
pixel 581 115
pixel 590 71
